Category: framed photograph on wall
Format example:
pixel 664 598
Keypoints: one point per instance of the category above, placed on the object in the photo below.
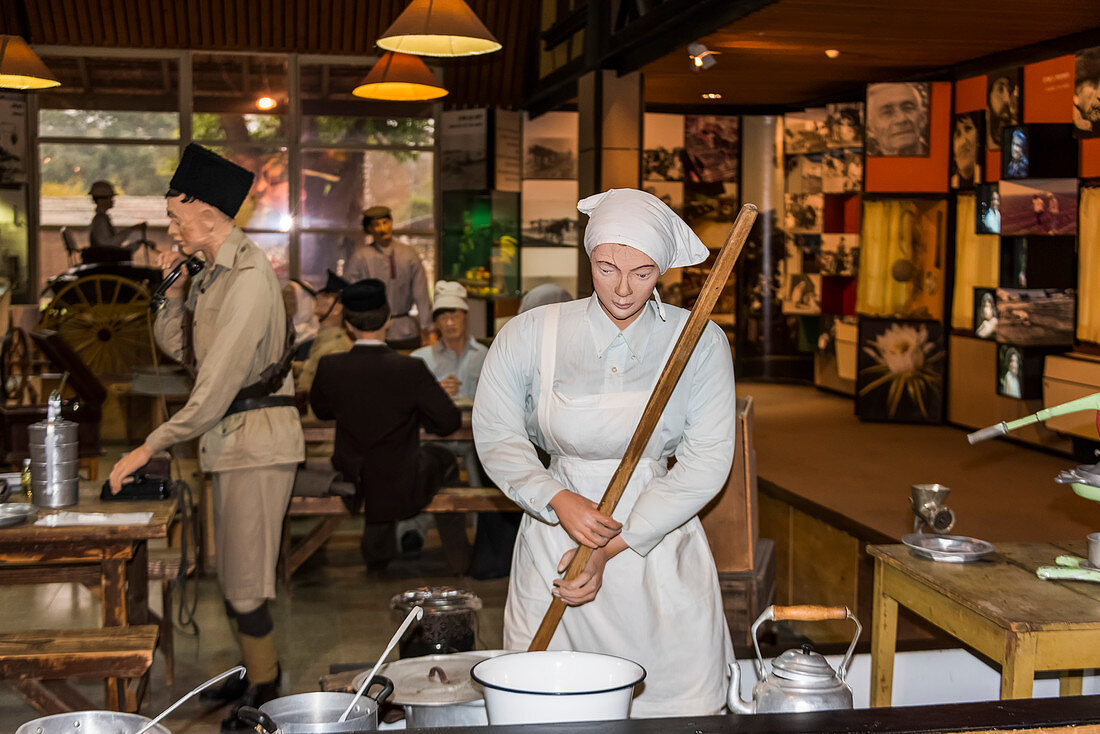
pixel 712 148
pixel 967 149
pixel 550 213
pixel 839 254
pixel 897 119
pixel 709 209
pixel 550 146
pixel 1036 316
pixel 802 294
pixel 1002 104
pixel 804 174
pixel 670 192
pixel 804 213
pixel 844 125
pixel 1020 372
pixel 900 371
pixel 987 211
pixel 842 171
pixel 1039 151
pixel 804 132
pixel 1038 262
pixel 1046 206
pixel 1086 93
pixel 663 157
pixel 985 313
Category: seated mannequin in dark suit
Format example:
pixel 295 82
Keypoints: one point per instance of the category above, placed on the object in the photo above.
pixel 380 400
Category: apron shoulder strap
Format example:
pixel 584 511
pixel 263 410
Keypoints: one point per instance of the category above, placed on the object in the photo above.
pixel 547 360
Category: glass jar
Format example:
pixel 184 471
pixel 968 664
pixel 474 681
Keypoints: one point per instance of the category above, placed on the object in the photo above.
pixel 449 623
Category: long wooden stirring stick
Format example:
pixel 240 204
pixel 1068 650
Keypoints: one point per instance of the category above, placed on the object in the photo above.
pixel 677 361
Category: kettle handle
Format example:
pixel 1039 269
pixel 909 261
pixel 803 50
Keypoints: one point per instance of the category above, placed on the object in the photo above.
pixel 805 613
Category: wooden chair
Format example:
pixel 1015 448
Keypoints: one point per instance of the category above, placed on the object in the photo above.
pixel 164 566
pixel 37 662
pixel 71 249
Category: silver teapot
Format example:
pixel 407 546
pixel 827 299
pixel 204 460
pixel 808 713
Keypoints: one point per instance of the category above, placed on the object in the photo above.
pixel 800 680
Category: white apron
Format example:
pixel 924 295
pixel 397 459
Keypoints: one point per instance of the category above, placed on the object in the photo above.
pixel 663 611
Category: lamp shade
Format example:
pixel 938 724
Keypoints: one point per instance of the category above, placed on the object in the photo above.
pixel 439 28
pixel 20 67
pixel 400 78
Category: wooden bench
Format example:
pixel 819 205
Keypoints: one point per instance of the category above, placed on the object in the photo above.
pixel 37 662
pixel 332 512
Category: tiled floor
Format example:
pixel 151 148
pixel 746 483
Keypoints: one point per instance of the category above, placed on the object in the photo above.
pixel 331 613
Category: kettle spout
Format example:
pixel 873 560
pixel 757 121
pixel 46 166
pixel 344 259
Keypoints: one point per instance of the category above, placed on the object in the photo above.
pixel 733 696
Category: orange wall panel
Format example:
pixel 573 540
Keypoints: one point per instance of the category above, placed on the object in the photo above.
pixel 1048 90
pixel 992 170
pixel 1090 158
pixel 918 175
pixel 970 94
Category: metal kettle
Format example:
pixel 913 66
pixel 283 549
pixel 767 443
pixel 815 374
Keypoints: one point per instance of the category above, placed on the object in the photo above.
pixel 800 680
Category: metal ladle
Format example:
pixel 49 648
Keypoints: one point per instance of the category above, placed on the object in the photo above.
pixel 240 669
pixel 414 613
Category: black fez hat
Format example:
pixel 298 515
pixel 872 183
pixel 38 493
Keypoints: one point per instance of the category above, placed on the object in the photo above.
pixel 211 179
pixel 366 295
pixel 334 284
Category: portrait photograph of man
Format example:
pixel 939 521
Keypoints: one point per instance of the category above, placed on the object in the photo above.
pixel 1002 104
pixel 897 119
pixel 1086 93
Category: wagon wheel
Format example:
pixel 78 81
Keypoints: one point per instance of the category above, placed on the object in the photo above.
pixel 15 368
pixel 105 319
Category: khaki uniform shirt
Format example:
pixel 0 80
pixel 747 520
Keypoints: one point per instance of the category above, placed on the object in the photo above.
pixel 238 329
pixel 406 284
pixel 329 340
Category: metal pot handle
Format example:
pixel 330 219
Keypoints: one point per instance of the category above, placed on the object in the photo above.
pixel 805 613
pixel 387 689
pixel 256 718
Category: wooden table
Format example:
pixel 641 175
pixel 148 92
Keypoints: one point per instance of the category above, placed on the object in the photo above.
pixel 998 606
pixel 113 556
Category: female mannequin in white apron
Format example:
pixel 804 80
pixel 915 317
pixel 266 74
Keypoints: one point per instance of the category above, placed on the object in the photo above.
pixel 573 378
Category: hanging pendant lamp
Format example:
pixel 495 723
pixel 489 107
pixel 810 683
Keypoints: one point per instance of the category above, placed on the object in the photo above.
pixel 20 67
pixel 439 28
pixel 400 78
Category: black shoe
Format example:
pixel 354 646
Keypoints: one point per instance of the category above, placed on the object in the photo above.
pixel 411 543
pixel 257 695
pixel 229 690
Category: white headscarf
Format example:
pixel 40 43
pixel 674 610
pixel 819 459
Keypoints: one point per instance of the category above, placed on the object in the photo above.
pixel 644 222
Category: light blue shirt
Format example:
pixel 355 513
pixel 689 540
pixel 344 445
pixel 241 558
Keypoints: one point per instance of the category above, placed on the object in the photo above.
pixel 466 366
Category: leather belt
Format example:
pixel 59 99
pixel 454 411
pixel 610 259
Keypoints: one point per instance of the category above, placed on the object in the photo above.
pixel 268 401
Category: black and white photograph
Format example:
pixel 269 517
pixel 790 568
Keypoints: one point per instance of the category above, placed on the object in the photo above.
pixel 804 132
pixel 1036 317
pixel 897 119
pixel 804 213
pixel 1086 93
pixel 804 174
pixel 550 213
pixel 663 159
pixel 901 369
pixel 550 146
pixel 803 253
pixel 463 140
pixel 1039 206
pixel 709 209
pixel 985 313
pixel 967 149
pixel 987 211
pixel 1002 104
pixel 712 147
pixel 670 192
pixel 842 170
pixel 844 125
pixel 839 254
pixel 1020 371
pixel 13 138
pixel 802 294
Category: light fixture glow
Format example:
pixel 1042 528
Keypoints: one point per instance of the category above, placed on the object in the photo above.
pixel 701 57
pixel 439 28
pixel 832 53
pixel 400 78
pixel 712 95
pixel 266 103
pixel 20 67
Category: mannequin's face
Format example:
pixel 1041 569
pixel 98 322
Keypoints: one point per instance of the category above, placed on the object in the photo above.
pixel 192 226
pixel 624 279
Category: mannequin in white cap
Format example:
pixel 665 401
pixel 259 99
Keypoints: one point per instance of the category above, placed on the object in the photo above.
pixel 456 358
pixel 574 378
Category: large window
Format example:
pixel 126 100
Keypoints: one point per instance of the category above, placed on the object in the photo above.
pixel 318 160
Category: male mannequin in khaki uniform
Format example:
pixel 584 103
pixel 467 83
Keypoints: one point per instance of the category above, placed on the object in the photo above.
pixel 252 439
pixel 332 337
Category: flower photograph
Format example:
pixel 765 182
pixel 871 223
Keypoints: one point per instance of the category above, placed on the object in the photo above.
pixel 901 366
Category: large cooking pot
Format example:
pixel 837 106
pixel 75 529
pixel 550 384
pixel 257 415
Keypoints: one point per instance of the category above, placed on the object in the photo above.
pixel 318 713
pixel 557 685
pixel 437 690
pixel 90 722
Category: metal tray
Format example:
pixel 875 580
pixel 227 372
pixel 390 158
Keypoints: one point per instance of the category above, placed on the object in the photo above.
pixel 16 513
pixel 947 548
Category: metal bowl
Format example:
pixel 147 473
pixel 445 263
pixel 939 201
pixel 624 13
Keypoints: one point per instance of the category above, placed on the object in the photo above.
pixel 16 513
pixel 90 722
pixel 947 548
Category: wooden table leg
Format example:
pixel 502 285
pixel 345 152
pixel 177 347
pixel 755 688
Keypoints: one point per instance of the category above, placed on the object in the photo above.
pixel 113 584
pixel 1018 669
pixel 884 636
pixel 137 585
pixel 1071 682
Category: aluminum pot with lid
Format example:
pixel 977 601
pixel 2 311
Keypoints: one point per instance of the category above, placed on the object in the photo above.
pixel 90 722
pixel 800 680
pixel 449 623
